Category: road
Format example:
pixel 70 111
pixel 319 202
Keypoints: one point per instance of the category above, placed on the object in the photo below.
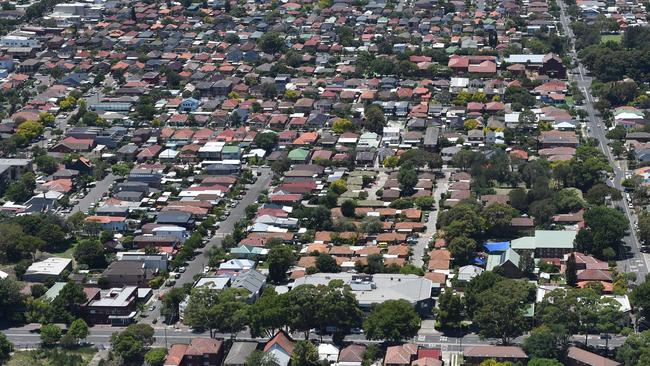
pixel 635 261
pixel 196 266
pixel 423 241
pixel 94 195
pixel 27 337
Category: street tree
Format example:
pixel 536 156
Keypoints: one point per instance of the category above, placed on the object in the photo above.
pixel 392 320
pixel 50 335
pixel 546 341
pixel 280 259
pixel 78 330
pixel 222 311
pixel 170 303
pixel 268 314
pixel 11 300
pixel 450 309
pixel 305 353
pixel 156 356
pixel 131 344
pixel 6 347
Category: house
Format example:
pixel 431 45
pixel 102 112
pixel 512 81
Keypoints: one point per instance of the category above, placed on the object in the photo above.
pixel 507 261
pixel 352 355
pixel 115 306
pixel 12 169
pixel 239 353
pixel 157 262
pixel 189 105
pixel 48 269
pixel 380 287
pixel 252 281
pixel 281 347
pixel 580 357
pixel 401 355
pixel 132 273
pixel 474 355
pixel 328 353
pixel 200 352
pixel 546 243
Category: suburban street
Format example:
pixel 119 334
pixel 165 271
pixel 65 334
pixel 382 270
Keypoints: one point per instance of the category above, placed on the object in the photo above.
pixel 225 227
pixel 28 337
pixel 94 195
pixel 635 261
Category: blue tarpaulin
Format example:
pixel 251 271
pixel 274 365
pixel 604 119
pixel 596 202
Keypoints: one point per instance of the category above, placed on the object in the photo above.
pixel 480 261
pixel 497 247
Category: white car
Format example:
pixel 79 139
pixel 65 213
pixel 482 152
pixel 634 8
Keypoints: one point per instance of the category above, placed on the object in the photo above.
pixel 206 269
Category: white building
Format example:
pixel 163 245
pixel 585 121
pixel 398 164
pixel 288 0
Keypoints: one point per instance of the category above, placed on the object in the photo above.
pixel 51 268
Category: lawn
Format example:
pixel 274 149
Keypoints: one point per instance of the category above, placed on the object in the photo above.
pixel 53 357
pixel 610 37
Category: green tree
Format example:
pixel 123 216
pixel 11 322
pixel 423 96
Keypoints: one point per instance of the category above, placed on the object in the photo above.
pixel 518 199
pixel 78 330
pixel 374 118
pixel 6 347
pixel 348 207
pixel 259 358
pixel 12 301
pixel 604 228
pixel 46 164
pixel 544 362
pixel 371 225
pixel 22 189
pixel 30 129
pixel 408 179
pixel 121 169
pixel 450 309
pixel 132 343
pixel 266 140
pixel 50 335
pixel 462 249
pixel 268 314
pixel 546 342
pixel 271 42
pixel 305 354
pixel 571 271
pixel 325 263
pixel 342 125
pixel 91 253
pixel 392 320
pixel 170 302
pixel 500 313
pixel 497 217
pixel 68 300
pixel 156 356
pixel 280 259
pixel 635 348
pixel 424 202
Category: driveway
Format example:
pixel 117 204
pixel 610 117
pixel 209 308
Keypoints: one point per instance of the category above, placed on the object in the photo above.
pixel 423 241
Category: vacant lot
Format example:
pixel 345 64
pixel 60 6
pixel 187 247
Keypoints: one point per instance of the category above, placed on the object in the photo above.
pixel 53 357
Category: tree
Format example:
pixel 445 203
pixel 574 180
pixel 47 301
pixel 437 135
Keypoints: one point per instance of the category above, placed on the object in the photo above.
pixel 266 140
pixel 635 348
pixel 46 164
pixel 644 227
pixel 325 263
pixel 132 343
pixel 371 225
pixel 280 259
pixel 392 320
pixel 544 362
pixel 6 347
pixel 604 228
pixel 12 301
pixel 597 193
pixel 259 358
pixel 50 334
pixel 342 125
pixel 374 118
pixel 315 218
pixel 304 354
pixel 500 312
pixel 518 199
pixel 527 118
pixel 571 271
pixel 121 169
pixel 170 303
pixel 78 330
pixel 268 314
pixel 462 249
pixel 461 220
pixel 408 179
pixel 348 207
pixel 450 309
pixel 68 300
pixel 91 253
pixel 22 189
pixel 546 342
pixel 269 90
pixel 271 42
pixel 30 129
pixel 156 356
pixel 424 202
pixel 497 217
pixel 640 297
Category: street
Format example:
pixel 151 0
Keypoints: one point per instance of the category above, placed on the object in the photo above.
pixel 196 266
pixel 94 195
pixel 635 261
pixel 422 244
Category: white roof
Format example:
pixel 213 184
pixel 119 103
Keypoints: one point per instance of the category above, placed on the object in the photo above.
pixel 522 59
pixel 212 146
pixel 51 266
pixel 3 275
pixel 169 228
pixel 116 297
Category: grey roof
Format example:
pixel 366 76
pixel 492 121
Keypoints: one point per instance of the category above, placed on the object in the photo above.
pixel 239 352
pixel 251 280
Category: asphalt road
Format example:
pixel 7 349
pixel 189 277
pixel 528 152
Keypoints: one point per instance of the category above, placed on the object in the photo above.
pixel 225 227
pixel 635 261
pixel 423 241
pixel 94 195
pixel 28 337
